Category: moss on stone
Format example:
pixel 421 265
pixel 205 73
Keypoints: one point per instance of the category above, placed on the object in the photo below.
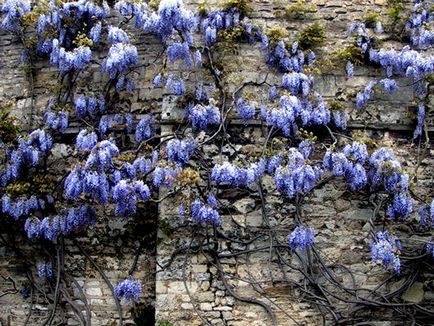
pixel 242 6
pixel 312 36
pixel 301 10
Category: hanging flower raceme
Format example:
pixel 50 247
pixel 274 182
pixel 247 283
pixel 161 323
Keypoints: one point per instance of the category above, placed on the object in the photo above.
pixel 14 11
pixel 164 176
pixel 171 16
pixel 45 270
pixel 120 58
pixel 21 206
pixel 297 83
pixel 56 120
pixel 144 129
pixel 385 249
pixel 128 290
pixel 302 237
pixel 202 116
pixel 126 194
pixel 102 155
pixel 245 110
pixel 349 164
pixel 88 106
pixel 420 121
pixel 363 97
pixel 386 171
pixel 86 140
pixel 180 151
pixel 31 149
pixel 202 213
pixel 418 25
pixel 117 35
pixel 234 176
pixel 180 51
pixel 297 177
pixel 400 207
pixel 76 59
pixel 176 84
pixel 340 119
pixel 66 222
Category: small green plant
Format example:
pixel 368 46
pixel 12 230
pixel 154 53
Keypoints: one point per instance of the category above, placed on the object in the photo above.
pixel 242 6
pixel 299 11
pixel 312 36
pixel 202 9
pixel 165 323
pixel 396 13
pixel 370 19
pixel 275 34
pixel 351 53
pixel 153 4
pixel 337 105
pixel 9 128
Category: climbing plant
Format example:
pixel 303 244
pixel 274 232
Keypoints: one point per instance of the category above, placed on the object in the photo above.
pixel 120 158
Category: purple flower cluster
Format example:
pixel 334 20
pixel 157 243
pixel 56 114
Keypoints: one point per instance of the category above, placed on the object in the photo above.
pixel 424 212
pixel 245 110
pixel 164 176
pixel 386 171
pixel 285 59
pixel 219 20
pixel 202 116
pixel 176 84
pixel 56 120
pixel 126 194
pixel 202 213
pixel 180 151
pixel 66 60
pixel 45 270
pixel 401 206
pixel 385 249
pixel 420 121
pixel 180 51
pixel 88 106
pixel 117 121
pixel 86 140
pixel 389 85
pixel 297 83
pixel 117 35
pixel 291 112
pixel 171 16
pixel 102 155
pixel 232 175
pixel 121 56
pixel 349 164
pixel 21 206
pixel 302 237
pixel 340 119
pixel 363 97
pixel 31 149
pixel 14 11
pixel 297 176
pixel 66 222
pixel 418 25
pixel 129 290
pixel 144 129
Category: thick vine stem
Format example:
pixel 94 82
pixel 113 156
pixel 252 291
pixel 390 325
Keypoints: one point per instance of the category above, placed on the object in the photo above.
pixel 267 308
pixel 106 280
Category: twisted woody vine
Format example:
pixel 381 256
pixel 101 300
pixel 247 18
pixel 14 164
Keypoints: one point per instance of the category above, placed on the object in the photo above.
pixel 121 160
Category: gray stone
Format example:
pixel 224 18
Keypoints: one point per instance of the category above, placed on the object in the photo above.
pixel 414 294
pixel 244 205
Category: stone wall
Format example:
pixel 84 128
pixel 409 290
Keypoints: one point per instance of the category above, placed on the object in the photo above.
pixel 193 288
